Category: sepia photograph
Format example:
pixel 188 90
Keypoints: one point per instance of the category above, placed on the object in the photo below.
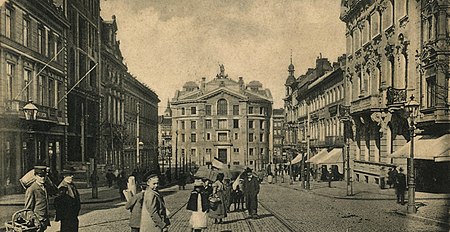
pixel 224 115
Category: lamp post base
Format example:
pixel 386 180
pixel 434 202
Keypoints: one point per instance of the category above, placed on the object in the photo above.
pixel 411 209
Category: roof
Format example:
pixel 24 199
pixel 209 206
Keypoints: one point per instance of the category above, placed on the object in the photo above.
pixel 190 84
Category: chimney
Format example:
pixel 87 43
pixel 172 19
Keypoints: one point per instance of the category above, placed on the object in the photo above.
pixel 241 83
pixel 321 64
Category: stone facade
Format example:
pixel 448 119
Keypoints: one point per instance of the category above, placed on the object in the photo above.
pixel 278 119
pixel 222 118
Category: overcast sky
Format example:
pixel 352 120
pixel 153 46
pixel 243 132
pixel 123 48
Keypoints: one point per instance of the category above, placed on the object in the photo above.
pixel 168 42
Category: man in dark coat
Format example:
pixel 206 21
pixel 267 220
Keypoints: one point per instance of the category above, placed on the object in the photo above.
pixel 251 190
pixel 36 198
pixel 68 204
pixel 135 206
pixel 400 187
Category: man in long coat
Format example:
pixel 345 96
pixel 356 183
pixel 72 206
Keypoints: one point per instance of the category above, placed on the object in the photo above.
pixel 68 204
pixel 36 198
pixel 251 190
pixel 400 187
pixel 154 213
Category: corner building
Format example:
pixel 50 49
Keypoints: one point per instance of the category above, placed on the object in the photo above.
pixel 224 119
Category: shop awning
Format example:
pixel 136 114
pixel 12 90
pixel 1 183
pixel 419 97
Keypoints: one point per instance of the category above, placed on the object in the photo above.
pixel 334 157
pixel 427 148
pixel 318 157
pixel 296 160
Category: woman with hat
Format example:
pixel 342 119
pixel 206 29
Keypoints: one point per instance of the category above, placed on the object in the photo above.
pixel 198 204
pixel 68 203
pixel 219 212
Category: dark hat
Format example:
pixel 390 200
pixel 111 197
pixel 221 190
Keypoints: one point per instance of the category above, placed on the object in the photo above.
pixel 248 170
pixel 151 176
pixel 143 183
pixel 401 169
pixel 40 170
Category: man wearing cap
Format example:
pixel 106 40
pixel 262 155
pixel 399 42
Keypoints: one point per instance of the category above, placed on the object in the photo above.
pixel 36 198
pixel 251 190
pixel 154 213
pixel 68 203
pixel 400 187
pixel 135 206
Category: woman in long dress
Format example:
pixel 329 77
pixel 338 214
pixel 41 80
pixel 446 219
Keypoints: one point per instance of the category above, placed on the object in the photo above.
pixel 198 205
pixel 218 212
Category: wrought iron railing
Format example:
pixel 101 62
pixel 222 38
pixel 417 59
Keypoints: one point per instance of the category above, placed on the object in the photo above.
pixel 395 96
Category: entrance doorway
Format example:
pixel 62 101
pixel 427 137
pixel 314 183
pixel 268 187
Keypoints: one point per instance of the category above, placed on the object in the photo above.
pixel 223 156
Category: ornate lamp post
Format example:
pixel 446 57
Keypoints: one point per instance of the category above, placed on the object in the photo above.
pixel 412 107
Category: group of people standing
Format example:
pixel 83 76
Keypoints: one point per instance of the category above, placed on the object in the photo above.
pixel 398 180
pixel 67 201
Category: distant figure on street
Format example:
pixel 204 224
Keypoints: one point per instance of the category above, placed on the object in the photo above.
pixel 198 204
pixel 36 198
pixel 329 176
pixel 154 215
pixel 393 176
pixel 251 191
pixel 135 206
pixel 68 204
pixel 400 187
pixel 182 181
pixel 110 177
pixel 219 212
pixel 122 184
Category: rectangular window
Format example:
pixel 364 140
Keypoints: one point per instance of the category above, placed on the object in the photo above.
pixel 236 150
pixel 222 137
pixel 25 31
pixel 183 111
pixel 250 110
pixel 261 110
pixel 193 110
pixel 251 152
pixel 26 95
pixel 261 137
pixel 10 81
pixel 431 91
pixel 208 109
pixel 51 93
pixel 208 136
pixel 193 152
pixel 41 90
pixel 208 124
pixel 8 23
pixel 183 125
pixel 193 125
pixel 183 138
pixel 235 123
pixel 250 137
pixel 193 138
pixel 222 124
pixel 40 42
pixel 235 109
pixel 250 124
pixel 236 136
pixel 261 124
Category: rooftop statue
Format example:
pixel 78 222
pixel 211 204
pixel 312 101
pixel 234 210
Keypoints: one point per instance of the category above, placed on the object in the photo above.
pixel 222 72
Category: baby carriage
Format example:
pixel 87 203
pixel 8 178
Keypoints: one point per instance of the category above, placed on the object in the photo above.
pixel 23 220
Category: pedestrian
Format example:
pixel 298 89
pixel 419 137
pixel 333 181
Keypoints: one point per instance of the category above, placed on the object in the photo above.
pixel 394 176
pixel 208 186
pixel 109 178
pixel 219 212
pixel 135 206
pixel 36 198
pixel 251 191
pixel 329 176
pixel 122 184
pixel 182 181
pixel 198 205
pixel 154 215
pixel 68 204
pixel 400 187
pixel 238 199
pixel 227 193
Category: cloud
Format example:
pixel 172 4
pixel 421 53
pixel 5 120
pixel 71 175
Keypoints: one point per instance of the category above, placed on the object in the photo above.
pixel 181 40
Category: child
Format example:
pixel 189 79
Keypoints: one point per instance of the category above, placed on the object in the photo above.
pixel 135 206
pixel 199 205
pixel 238 198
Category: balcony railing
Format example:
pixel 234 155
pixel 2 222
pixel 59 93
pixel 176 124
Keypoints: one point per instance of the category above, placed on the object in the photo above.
pixel 395 96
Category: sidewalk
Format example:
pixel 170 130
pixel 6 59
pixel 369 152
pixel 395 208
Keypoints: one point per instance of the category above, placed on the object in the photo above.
pixel 105 194
pixel 431 207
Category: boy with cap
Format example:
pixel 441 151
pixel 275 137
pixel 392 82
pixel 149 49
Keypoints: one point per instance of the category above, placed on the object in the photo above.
pixel 154 213
pixel 68 203
pixel 135 206
pixel 36 198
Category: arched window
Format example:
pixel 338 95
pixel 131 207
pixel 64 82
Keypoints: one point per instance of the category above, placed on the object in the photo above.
pixel 222 107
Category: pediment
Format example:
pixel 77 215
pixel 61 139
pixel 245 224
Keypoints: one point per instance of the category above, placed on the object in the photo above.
pixel 223 91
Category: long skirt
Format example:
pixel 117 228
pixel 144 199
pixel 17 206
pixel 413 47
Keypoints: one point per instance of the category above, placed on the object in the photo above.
pixel 220 211
pixel 198 220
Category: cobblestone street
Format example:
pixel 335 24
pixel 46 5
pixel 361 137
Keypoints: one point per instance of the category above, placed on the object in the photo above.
pixel 282 208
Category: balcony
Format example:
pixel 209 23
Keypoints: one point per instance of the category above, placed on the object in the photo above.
pixel 396 98
pixel 334 141
pixel 365 103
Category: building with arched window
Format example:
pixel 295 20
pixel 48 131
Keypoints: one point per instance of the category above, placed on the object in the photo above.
pixel 222 118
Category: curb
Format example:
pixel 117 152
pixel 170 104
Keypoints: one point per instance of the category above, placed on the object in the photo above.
pixel 446 225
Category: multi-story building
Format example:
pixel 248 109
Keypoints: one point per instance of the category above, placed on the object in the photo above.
pixel 277 136
pixel 141 122
pixel 32 68
pixel 165 138
pixel 83 103
pixel 224 119
pixel 394 51
pixel 113 97
pixel 314 103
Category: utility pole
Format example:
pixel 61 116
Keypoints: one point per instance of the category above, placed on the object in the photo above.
pixel 137 134
pixel 176 151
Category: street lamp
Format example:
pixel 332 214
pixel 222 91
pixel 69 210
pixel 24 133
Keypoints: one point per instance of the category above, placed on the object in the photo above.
pixel 412 107
pixel 30 111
